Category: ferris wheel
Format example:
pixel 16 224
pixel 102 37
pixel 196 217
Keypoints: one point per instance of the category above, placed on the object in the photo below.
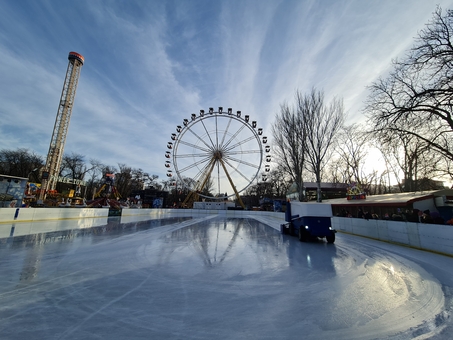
pixel 217 154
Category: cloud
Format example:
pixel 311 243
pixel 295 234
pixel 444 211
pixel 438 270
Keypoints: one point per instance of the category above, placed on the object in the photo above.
pixel 148 65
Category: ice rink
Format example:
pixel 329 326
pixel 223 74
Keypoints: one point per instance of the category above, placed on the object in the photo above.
pixel 218 278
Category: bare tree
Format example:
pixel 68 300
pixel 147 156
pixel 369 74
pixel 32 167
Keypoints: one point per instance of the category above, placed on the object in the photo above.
pixel 93 178
pixel 350 162
pixel 74 166
pixel 151 181
pixel 351 152
pixel 419 91
pixel 408 158
pixel 128 179
pixel 21 163
pixel 279 181
pixel 275 185
pixel 321 125
pixel 289 145
pixel 167 185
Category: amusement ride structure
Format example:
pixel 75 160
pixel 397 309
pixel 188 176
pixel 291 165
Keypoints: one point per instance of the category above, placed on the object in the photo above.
pixel 60 130
pixel 217 155
pixel 107 195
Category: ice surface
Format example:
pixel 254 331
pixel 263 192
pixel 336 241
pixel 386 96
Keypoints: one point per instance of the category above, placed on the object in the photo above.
pixel 218 278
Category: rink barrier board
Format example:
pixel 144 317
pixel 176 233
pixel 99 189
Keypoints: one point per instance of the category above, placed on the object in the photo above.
pixel 161 213
pixel 436 238
pixel 9 215
pixel 17 229
pixel 431 237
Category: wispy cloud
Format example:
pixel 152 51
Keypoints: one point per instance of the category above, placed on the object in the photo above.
pixel 151 64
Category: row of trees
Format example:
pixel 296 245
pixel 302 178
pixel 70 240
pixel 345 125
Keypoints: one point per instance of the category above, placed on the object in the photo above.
pixel 303 136
pixel 27 164
pixel 409 121
pixel 410 111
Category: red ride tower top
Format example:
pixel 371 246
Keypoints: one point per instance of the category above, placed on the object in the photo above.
pixel 75 55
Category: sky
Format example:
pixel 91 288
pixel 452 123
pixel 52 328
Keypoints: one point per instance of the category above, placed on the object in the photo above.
pixel 151 64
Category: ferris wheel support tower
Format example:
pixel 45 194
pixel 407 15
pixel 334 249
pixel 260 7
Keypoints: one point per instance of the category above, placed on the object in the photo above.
pixel 60 130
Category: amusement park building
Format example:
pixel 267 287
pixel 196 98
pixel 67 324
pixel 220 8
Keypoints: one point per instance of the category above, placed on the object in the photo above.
pixel 12 190
pixel 437 202
pixel 149 197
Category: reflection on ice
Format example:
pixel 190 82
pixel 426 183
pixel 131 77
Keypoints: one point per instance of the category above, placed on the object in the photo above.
pixel 237 248
pixel 381 294
pixel 206 278
pixel 32 233
pixel 248 243
pixel 313 256
pixel 40 227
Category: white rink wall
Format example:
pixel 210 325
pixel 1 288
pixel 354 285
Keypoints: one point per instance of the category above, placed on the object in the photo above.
pixel 432 237
pixel 16 222
pixel 274 219
pixel 39 227
pixel 28 220
pixel 8 215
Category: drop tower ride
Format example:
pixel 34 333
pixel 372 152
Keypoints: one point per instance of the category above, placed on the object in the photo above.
pixel 60 130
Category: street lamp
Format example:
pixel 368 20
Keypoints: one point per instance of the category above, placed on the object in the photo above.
pixel 35 169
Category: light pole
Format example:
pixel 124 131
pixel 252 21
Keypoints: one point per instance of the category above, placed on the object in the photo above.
pixel 35 169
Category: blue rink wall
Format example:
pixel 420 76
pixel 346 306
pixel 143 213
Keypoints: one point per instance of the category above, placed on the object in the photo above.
pixel 431 237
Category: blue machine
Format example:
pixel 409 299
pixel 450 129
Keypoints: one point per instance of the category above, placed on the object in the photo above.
pixel 308 226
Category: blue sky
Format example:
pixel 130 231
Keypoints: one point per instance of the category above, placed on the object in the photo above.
pixel 150 64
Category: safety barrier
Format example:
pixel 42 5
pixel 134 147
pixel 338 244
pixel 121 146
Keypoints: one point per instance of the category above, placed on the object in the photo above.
pixel 135 215
pixel 432 237
pixel 9 215
pixel 16 229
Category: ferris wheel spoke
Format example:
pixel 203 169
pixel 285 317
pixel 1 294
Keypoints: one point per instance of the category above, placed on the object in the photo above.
pixel 226 131
pixel 207 134
pixel 241 152
pixel 195 146
pixel 216 133
pixel 240 143
pixel 233 137
pixel 240 161
pixel 199 138
pixel 194 165
pixel 192 155
pixel 236 170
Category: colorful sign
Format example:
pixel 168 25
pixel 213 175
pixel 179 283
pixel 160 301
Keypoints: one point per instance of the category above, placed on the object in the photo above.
pixel 355 192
